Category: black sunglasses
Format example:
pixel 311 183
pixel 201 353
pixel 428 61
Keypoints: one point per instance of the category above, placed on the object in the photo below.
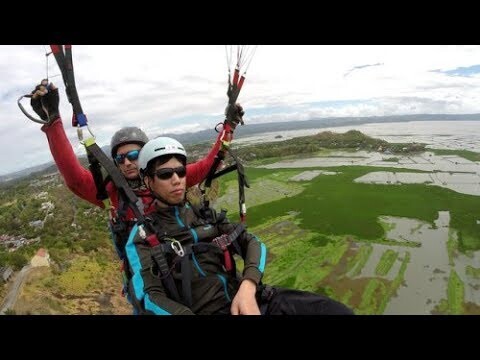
pixel 167 173
pixel 131 156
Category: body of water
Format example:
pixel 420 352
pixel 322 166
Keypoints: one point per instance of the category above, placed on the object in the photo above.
pixel 437 134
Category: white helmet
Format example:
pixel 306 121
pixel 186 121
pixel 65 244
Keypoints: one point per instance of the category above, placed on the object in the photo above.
pixel 158 147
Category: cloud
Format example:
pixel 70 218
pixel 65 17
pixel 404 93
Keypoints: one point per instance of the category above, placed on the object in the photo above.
pixel 183 88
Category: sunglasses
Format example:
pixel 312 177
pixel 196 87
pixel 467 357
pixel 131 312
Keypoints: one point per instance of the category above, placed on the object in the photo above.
pixel 131 156
pixel 167 173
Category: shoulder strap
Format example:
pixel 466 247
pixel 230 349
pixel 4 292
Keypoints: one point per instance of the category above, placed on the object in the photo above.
pixel 150 231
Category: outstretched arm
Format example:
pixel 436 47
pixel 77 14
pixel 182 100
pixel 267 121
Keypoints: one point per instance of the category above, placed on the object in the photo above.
pixel 44 101
pixel 78 179
pixel 198 171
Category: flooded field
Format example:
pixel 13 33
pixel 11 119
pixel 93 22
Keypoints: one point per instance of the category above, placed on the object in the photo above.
pixel 416 268
pixel 411 267
pixel 452 172
pixel 426 278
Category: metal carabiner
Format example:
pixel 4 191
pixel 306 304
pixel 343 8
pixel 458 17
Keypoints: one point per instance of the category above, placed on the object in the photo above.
pixel 80 134
pixel 141 232
pixel 177 247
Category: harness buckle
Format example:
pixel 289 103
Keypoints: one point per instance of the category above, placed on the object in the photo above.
pixel 177 247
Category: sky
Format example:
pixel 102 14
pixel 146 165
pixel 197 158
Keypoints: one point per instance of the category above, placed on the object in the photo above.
pixel 180 88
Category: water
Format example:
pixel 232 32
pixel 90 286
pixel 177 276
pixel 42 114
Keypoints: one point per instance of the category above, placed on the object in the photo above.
pixel 438 134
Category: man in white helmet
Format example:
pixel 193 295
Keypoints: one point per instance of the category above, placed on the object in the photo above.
pixel 182 263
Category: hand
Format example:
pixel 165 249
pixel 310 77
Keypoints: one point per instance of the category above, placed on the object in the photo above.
pixel 234 115
pixel 45 101
pixel 244 302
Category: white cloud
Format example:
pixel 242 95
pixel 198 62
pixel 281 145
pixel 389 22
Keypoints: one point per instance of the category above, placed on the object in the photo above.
pixel 183 88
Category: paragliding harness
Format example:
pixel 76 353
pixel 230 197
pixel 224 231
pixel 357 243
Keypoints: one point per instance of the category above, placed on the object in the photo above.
pixel 169 254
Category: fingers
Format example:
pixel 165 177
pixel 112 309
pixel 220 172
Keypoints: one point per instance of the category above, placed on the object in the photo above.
pixel 239 109
pixel 45 100
pixel 43 89
pixel 256 310
pixel 235 309
pixel 37 107
pixel 39 92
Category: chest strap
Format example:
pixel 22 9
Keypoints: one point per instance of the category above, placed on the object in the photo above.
pixel 171 246
pixel 224 241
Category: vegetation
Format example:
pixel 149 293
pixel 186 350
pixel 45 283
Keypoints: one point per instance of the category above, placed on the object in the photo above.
pixel 386 262
pixel 456 293
pixel 472 271
pixel 452 246
pixel 85 285
pixel 387 226
pixel 360 259
pixel 469 155
pixel 352 139
pixel 391 159
pixel 322 142
pixel 454 304
pixel 375 291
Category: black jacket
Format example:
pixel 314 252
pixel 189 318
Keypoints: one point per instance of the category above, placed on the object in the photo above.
pixel 212 287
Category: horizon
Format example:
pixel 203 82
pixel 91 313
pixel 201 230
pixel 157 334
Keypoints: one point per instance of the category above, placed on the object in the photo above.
pixel 343 126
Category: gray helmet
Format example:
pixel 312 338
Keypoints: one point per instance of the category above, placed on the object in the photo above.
pixel 127 135
pixel 158 147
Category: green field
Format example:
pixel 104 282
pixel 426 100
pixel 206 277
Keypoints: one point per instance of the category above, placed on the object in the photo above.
pixel 335 205
pixel 319 232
